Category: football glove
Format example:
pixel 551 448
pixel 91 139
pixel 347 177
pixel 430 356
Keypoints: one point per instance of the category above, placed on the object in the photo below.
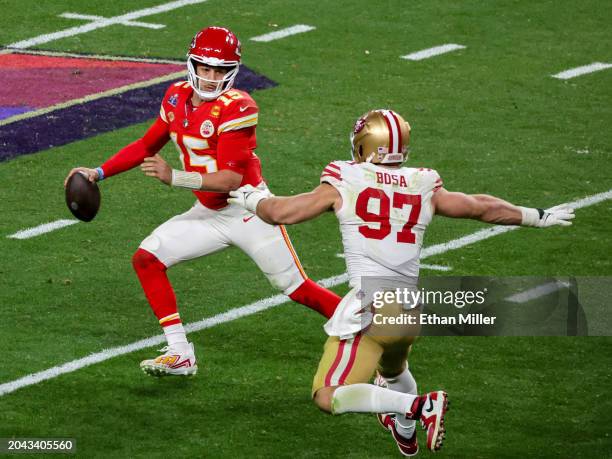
pixel 248 196
pixel 558 215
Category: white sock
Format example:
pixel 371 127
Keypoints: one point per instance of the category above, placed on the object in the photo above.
pixel 176 337
pixel 368 398
pixel 404 382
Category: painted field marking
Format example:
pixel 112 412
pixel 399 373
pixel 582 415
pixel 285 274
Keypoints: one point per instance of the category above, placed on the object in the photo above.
pixel 104 57
pixel 233 314
pixel 537 292
pixel 42 229
pixel 89 98
pixel 89 17
pixel 99 24
pixel 282 33
pixel 578 71
pixel 430 52
pixel 436 267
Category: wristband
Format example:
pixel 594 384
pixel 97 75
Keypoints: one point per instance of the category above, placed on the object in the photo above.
pixel 100 172
pixel 182 179
pixel 531 216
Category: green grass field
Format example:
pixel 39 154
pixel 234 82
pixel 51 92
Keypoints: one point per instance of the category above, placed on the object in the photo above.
pixel 490 118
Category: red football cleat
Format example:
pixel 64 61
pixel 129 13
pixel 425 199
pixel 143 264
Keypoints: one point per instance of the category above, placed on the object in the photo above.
pixel 407 446
pixel 432 418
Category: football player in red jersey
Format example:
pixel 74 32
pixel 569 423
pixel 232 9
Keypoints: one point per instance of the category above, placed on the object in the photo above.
pixel 213 129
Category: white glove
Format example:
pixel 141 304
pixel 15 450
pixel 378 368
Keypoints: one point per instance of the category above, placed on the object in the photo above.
pixel 558 215
pixel 248 196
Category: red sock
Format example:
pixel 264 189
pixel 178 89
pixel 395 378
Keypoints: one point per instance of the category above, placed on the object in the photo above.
pixel 316 297
pixel 156 286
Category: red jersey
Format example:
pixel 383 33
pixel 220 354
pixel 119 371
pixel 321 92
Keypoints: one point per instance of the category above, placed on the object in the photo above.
pixel 216 135
pixel 200 134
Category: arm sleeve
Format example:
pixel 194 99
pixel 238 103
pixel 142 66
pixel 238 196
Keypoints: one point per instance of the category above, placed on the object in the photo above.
pixel 235 149
pixel 135 153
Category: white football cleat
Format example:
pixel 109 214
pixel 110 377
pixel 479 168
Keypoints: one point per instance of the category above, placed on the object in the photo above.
pixel 432 418
pixel 171 363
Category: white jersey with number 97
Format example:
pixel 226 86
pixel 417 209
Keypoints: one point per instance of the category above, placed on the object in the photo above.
pixel 383 217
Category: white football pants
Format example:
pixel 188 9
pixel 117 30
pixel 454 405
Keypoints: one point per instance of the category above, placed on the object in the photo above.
pixel 201 231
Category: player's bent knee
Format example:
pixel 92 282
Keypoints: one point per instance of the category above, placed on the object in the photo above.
pixel 323 398
pixel 287 281
pixel 142 260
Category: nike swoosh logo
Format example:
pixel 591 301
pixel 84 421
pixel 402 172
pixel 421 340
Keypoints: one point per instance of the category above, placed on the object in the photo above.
pixel 430 407
pixel 243 108
pixel 246 219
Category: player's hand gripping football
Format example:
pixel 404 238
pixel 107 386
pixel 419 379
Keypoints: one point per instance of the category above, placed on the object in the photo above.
pixel 248 196
pixel 91 174
pixel 155 166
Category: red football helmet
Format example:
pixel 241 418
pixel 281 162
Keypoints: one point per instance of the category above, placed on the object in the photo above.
pixel 217 47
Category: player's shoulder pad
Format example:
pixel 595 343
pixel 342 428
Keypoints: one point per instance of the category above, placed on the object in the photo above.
pixel 431 179
pixel 177 88
pixel 238 111
pixel 332 173
pixel 174 91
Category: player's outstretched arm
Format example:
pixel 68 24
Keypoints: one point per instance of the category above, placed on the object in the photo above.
pixel 490 209
pixel 287 210
pixel 129 156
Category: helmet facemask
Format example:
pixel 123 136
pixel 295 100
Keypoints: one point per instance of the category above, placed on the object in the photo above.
pixel 198 83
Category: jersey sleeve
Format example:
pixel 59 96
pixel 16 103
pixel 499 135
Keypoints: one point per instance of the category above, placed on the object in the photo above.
pixel 332 174
pixel 170 99
pixel 431 178
pixel 235 149
pixel 239 112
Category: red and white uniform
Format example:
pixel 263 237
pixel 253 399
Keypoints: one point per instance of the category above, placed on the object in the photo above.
pixel 383 219
pixel 218 134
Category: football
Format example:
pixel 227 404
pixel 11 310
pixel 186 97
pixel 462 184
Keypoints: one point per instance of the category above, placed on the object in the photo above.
pixel 82 197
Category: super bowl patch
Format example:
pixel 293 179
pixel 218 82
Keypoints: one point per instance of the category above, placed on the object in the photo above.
pixel 207 129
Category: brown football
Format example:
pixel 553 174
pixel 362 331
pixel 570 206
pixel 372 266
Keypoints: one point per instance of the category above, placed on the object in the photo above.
pixel 82 197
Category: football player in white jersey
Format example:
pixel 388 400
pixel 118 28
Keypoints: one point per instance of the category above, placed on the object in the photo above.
pixel 383 209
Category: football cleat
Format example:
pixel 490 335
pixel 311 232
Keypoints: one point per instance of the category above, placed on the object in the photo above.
pixel 432 418
pixel 407 446
pixel 171 363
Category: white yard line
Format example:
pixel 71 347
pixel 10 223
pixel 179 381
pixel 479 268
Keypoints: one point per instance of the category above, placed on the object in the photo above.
pixel 42 229
pixel 243 311
pixel 282 33
pixel 436 267
pixel 89 98
pixel 85 28
pixel 89 17
pixel 578 71
pixel 537 292
pixel 430 52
